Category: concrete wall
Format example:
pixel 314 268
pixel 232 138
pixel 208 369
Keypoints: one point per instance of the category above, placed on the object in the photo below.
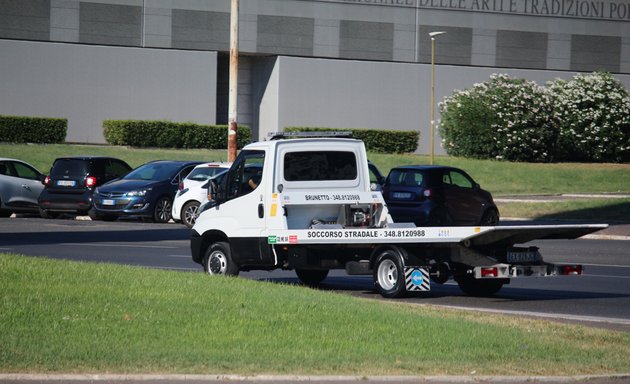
pixel 88 84
pixel 360 94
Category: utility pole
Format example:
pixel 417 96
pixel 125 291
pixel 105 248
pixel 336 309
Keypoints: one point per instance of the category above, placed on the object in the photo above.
pixel 233 95
pixel 433 35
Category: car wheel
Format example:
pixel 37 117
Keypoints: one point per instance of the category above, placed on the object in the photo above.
pixel 479 287
pixel 189 213
pixel 5 213
pixel 162 210
pixel 218 260
pixel 311 277
pixel 46 214
pixel 389 275
pixel 490 218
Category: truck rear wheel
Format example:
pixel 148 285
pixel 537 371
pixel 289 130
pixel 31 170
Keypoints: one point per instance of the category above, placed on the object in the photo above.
pixel 389 274
pixel 311 277
pixel 218 260
pixel 480 287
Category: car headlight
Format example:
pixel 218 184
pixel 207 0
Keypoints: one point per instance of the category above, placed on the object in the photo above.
pixel 138 193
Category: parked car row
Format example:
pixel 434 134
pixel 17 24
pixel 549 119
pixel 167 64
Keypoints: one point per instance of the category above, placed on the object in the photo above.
pixel 106 188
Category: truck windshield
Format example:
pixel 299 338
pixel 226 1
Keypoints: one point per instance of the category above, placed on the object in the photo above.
pixel 320 165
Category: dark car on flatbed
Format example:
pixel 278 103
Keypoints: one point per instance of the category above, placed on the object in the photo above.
pixel 429 195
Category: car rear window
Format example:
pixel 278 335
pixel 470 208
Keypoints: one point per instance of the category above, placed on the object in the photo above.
pixel 69 167
pixel 320 165
pixel 405 177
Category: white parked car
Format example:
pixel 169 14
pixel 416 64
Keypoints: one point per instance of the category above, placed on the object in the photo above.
pixel 193 191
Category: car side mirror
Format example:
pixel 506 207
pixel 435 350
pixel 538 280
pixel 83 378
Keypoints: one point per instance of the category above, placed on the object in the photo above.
pixel 214 192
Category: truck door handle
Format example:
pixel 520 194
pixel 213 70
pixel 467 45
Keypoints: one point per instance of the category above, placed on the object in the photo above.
pixel 261 211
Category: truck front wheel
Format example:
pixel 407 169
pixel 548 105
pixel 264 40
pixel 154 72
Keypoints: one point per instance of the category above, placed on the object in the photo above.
pixel 218 260
pixel 389 274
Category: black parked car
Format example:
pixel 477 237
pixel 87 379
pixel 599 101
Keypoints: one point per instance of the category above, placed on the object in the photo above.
pixel 147 191
pixel 72 180
pixel 437 195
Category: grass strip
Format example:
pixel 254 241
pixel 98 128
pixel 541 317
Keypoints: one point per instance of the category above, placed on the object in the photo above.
pixel 605 210
pixel 499 177
pixel 77 317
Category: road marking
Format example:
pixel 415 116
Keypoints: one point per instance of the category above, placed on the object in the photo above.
pixel 606 265
pixel 596 319
pixel 119 245
pixel 607 276
pixel 182 256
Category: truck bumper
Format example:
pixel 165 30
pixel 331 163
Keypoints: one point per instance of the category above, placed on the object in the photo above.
pixel 507 271
pixel 196 247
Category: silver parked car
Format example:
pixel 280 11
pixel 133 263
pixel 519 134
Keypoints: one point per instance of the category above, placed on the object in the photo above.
pixel 20 186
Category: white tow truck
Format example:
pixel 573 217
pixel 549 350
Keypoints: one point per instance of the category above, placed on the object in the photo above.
pixel 306 204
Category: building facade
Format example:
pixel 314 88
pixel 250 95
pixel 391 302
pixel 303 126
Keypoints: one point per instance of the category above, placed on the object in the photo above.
pixel 325 63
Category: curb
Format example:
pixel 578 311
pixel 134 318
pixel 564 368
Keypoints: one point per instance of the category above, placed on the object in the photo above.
pixel 289 378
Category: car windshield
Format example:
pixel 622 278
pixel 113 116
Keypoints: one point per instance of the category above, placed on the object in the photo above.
pixel 204 173
pixel 154 171
pixel 405 177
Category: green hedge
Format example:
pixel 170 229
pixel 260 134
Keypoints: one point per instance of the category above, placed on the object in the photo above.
pixel 166 134
pixel 21 129
pixel 375 140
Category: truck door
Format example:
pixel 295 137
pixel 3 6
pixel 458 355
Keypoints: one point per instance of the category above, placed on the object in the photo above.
pixel 244 192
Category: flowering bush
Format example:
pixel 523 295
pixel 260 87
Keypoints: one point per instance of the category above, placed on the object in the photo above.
pixel 594 111
pixel 503 118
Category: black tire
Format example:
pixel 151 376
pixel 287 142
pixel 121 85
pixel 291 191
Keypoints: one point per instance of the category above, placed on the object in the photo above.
pixel 480 287
pixel 162 210
pixel 389 274
pixel 189 213
pixel 97 216
pixel 46 214
pixel 490 218
pixel 5 213
pixel 218 260
pixel 311 277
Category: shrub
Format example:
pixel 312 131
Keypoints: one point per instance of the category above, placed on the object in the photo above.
pixel 383 141
pixel 594 111
pixel 21 129
pixel 503 118
pixel 166 134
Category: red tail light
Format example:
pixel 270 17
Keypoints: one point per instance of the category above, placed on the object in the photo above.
pixel 181 185
pixel 90 181
pixel 489 272
pixel 47 181
pixel 571 270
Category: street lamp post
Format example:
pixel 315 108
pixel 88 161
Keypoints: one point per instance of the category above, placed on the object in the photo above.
pixel 433 35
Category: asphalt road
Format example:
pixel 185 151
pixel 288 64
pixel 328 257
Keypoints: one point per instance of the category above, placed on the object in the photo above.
pixel 600 298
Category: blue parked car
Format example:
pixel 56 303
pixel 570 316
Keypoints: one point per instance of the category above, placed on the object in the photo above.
pixel 147 192
pixel 437 195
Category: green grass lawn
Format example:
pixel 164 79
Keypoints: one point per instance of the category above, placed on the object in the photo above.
pixel 72 317
pixel 499 177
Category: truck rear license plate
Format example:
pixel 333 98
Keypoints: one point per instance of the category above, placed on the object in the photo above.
pixel 525 256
